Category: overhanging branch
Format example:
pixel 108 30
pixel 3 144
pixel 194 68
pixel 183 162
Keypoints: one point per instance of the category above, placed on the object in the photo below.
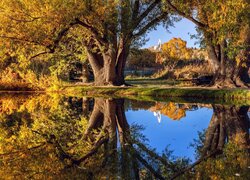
pixel 93 31
pixel 146 13
pixel 151 24
pixel 175 9
pixel 51 48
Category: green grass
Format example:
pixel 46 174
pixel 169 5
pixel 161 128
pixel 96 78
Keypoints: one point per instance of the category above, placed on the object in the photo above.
pixel 202 95
pixel 150 82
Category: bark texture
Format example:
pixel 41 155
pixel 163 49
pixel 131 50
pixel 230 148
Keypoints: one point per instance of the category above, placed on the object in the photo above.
pixel 108 67
pixel 229 72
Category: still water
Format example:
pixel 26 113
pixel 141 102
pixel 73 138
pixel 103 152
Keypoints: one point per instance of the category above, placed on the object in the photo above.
pixel 59 137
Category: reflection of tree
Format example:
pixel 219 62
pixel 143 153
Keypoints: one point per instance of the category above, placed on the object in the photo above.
pixel 35 133
pixel 59 142
pixel 224 150
pixel 57 137
pixel 108 118
pixel 226 125
pixel 134 159
pixel 228 134
pixel 172 110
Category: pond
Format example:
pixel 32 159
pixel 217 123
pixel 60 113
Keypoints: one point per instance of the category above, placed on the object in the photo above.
pixel 60 137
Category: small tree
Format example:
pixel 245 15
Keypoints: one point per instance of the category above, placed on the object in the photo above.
pixel 175 49
pixel 172 51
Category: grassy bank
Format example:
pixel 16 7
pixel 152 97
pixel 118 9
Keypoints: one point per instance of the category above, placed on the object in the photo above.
pixel 232 96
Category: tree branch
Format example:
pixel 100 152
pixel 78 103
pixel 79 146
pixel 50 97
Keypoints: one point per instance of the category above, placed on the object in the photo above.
pixel 39 54
pixel 150 24
pixel 93 31
pixel 23 20
pixel 146 12
pixel 196 163
pixel 148 166
pixel 92 151
pixel 60 35
pixel 175 9
pixel 154 155
pixel 136 9
pixel 24 150
pixel 56 41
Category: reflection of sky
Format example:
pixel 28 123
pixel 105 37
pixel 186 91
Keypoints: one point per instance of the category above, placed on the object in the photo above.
pixel 177 134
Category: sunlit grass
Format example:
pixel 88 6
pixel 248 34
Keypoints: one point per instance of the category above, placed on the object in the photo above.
pixel 228 96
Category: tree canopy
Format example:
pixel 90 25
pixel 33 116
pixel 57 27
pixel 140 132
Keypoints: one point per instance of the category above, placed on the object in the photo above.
pixel 107 28
pixel 224 26
pixel 174 49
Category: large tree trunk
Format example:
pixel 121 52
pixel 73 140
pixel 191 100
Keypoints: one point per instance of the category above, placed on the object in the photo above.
pixel 109 115
pixel 108 67
pixel 228 73
pixel 218 59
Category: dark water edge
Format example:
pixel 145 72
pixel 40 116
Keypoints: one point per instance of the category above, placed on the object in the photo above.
pixel 57 136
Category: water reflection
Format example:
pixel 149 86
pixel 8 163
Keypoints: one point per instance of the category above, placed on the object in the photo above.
pixel 84 138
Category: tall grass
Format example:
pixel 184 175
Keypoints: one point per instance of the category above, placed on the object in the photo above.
pixel 184 69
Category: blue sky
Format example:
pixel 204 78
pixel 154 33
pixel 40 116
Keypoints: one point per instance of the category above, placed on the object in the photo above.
pixel 178 134
pixel 182 29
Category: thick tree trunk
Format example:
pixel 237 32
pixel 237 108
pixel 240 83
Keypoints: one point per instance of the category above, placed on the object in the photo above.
pixel 227 73
pixel 242 75
pixel 108 67
pixel 121 61
pixel 218 60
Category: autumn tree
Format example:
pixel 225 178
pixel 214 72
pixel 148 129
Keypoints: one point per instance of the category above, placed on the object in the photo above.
pixel 224 26
pixel 173 50
pixel 109 29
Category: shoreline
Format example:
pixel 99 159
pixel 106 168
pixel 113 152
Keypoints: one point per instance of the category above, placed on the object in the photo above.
pixel 184 94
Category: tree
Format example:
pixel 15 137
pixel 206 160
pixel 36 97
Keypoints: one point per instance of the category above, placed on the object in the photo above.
pixel 226 141
pixel 44 71
pixel 109 29
pixel 173 50
pixel 224 26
